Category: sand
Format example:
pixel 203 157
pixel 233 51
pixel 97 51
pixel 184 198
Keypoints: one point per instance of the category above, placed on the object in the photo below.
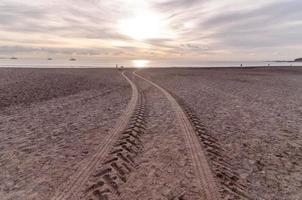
pixel 165 169
pixel 257 116
pixel 53 120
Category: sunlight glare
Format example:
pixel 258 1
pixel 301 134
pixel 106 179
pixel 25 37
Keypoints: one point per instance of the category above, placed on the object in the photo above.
pixel 142 26
pixel 140 63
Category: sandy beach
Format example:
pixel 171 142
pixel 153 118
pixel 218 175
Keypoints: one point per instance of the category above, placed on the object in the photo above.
pixel 150 100
pixel 162 134
pixel 51 122
pixel 256 115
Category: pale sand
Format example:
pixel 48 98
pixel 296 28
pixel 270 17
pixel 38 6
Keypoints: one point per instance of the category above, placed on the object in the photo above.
pixel 52 121
pixel 55 122
pixel 257 116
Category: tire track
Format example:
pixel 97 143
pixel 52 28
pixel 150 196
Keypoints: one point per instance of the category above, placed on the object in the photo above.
pixel 205 177
pixel 231 184
pixel 76 182
pixel 106 181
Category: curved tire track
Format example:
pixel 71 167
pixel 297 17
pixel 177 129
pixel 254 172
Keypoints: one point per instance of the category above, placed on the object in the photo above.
pixel 231 184
pixel 113 173
pixel 76 182
pixel 201 166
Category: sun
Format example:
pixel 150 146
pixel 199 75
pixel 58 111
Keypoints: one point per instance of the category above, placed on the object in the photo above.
pixel 143 26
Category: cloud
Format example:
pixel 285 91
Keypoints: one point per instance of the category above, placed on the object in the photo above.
pixel 176 4
pixel 89 27
pixel 269 14
pixel 276 24
pixel 67 52
pixel 62 21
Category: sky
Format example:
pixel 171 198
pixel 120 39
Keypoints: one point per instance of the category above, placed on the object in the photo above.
pixel 209 30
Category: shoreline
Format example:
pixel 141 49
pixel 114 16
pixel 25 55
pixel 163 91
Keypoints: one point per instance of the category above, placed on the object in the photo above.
pixel 169 67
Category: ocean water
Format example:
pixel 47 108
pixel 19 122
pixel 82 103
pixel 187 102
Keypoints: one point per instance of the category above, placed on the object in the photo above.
pixel 82 63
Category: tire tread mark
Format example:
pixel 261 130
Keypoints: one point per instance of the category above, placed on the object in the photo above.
pixel 232 187
pixel 72 186
pixel 121 160
pixel 205 177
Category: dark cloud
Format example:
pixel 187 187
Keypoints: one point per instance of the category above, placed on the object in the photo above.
pixel 163 43
pixel 177 4
pixel 194 47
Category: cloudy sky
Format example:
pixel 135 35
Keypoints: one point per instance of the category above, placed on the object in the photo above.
pixel 152 29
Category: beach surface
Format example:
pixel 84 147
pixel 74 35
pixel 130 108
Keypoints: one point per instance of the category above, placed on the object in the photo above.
pixel 256 114
pixel 153 134
pixel 52 121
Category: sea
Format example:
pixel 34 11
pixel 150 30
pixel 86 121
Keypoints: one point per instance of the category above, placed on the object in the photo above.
pixel 94 63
